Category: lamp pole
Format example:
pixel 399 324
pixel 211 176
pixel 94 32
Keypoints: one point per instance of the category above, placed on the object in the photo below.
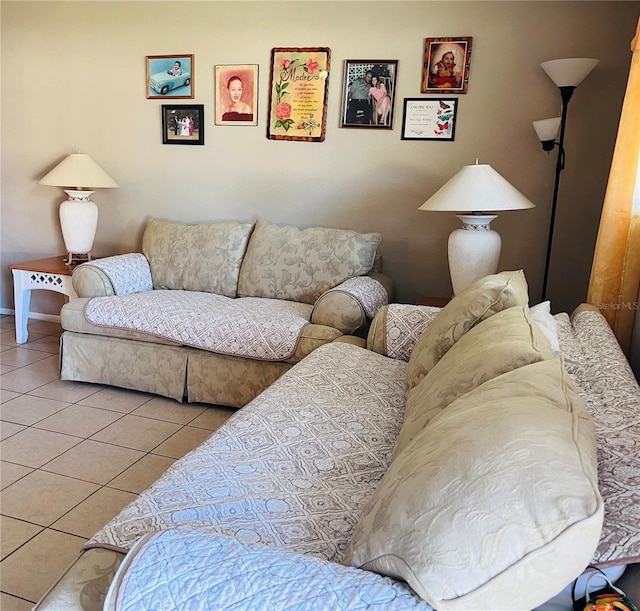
pixel 565 93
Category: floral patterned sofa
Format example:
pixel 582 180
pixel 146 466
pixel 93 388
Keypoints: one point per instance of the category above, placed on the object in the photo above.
pixel 480 454
pixel 215 312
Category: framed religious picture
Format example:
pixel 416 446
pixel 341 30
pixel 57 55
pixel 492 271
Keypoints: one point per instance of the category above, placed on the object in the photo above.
pixel 368 93
pixel 236 94
pixel 183 124
pixel 170 76
pixel 446 64
pixel 298 88
pixel 429 119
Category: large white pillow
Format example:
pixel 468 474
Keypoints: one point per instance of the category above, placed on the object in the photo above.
pixel 495 504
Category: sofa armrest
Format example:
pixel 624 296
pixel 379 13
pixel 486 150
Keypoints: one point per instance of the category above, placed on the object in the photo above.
pixel 397 327
pixel 347 306
pixel 118 275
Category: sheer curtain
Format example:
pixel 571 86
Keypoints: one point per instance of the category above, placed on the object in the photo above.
pixel 615 274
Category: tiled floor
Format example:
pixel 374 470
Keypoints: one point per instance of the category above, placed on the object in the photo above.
pixel 72 455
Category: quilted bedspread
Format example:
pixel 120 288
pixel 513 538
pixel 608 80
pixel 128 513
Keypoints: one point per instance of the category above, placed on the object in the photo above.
pixel 250 327
pixel 293 469
pixel 175 570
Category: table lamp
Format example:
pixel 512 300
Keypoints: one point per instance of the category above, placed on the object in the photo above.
pixel 78 214
pixel 476 191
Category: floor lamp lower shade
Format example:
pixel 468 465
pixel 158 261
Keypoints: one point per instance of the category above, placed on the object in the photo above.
pixel 474 251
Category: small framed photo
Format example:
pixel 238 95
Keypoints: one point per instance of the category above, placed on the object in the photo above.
pixel 170 76
pixel 446 65
pixel 298 89
pixel 368 93
pixel 183 124
pixel 236 94
pixel 429 119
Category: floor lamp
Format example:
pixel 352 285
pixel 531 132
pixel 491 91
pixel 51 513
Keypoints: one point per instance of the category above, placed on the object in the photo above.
pixel 567 74
pixel 476 191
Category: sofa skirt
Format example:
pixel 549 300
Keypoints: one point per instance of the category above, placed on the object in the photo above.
pixel 177 372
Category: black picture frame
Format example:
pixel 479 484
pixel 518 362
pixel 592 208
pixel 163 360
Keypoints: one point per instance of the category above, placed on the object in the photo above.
pixel 429 119
pixel 183 124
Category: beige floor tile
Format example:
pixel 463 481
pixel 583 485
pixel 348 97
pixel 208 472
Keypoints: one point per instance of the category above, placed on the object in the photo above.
pixel 19 357
pixel 32 376
pixel 136 432
pixel 42 498
pixel 182 442
pixel 8 338
pixel 43 326
pixel 14 534
pixel 94 512
pixel 7 321
pixel 27 409
pixel 7 395
pixel 117 399
pixel 213 417
pixel 6 369
pixel 9 428
pixel 33 447
pixel 48 343
pixel 65 390
pixel 169 410
pixel 79 420
pixel 93 461
pixel 10 473
pixel 11 603
pixel 47 555
pixel 141 475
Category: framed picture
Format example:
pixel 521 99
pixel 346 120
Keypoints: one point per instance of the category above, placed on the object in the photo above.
pixel 170 76
pixel 429 119
pixel 368 93
pixel 236 94
pixel 183 124
pixel 298 87
pixel 446 65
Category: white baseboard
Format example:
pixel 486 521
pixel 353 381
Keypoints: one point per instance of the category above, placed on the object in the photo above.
pixel 33 315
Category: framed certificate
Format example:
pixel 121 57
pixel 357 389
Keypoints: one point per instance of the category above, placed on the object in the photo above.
pixel 429 119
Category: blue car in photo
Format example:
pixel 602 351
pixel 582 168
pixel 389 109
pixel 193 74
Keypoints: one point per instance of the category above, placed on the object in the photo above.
pixel 164 82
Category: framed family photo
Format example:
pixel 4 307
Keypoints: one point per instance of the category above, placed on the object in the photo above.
pixel 298 88
pixel 368 93
pixel 429 119
pixel 183 124
pixel 446 65
pixel 170 76
pixel 236 94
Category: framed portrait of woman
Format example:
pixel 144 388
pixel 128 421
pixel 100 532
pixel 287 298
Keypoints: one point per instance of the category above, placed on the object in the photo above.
pixel 446 65
pixel 368 93
pixel 236 94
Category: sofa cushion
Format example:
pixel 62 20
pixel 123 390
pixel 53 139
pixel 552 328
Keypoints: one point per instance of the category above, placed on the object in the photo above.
pixel 495 500
pixel 204 257
pixel 501 343
pixel 300 264
pixel 479 301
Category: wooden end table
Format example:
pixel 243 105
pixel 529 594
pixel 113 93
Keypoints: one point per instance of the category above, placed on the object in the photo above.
pixel 50 274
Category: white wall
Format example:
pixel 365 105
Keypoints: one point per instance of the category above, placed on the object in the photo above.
pixel 73 78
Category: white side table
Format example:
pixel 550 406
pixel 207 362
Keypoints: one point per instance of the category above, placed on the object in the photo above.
pixel 51 274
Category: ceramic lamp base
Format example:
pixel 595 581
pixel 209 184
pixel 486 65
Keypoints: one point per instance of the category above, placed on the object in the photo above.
pixel 474 250
pixel 78 220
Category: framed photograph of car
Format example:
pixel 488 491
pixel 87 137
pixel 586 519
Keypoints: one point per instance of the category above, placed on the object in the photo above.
pixel 170 76
pixel 368 93
pixel 236 94
pixel 183 124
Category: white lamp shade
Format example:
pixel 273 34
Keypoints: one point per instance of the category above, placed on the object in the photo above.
pixel 79 171
pixel 477 188
pixel 547 129
pixel 569 72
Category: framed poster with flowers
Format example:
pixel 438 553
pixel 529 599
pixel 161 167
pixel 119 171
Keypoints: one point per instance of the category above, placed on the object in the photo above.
pixel 299 84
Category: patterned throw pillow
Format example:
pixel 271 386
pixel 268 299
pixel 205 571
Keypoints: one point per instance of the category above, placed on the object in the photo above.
pixel 479 301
